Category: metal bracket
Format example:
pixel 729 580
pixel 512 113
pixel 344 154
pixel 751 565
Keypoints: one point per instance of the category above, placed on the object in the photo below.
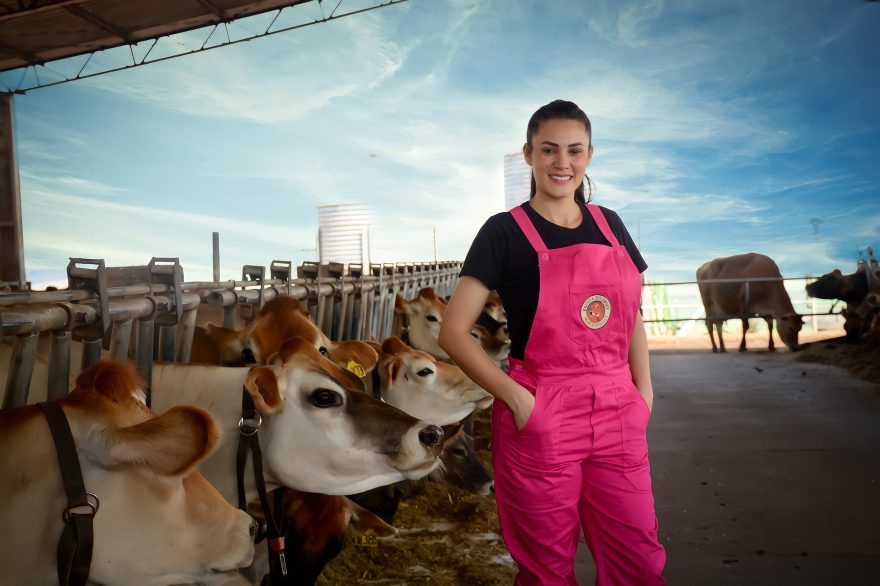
pixel 94 281
pixel 167 271
pixel 255 274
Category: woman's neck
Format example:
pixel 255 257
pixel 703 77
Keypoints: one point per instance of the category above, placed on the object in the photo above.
pixel 562 212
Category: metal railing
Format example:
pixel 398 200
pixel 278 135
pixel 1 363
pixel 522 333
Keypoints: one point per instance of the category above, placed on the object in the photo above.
pixel 805 306
pixel 148 313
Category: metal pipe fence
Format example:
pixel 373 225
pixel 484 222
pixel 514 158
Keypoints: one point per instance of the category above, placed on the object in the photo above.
pixel 148 313
pixel 663 316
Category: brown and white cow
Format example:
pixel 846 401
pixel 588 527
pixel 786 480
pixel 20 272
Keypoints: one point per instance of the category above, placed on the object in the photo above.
pixel 421 319
pixel 320 433
pixel 424 387
pixel 281 319
pixel 158 521
pixel 766 299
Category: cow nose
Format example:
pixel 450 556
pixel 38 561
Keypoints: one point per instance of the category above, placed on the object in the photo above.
pixel 431 435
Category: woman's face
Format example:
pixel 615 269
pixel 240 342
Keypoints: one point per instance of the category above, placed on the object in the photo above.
pixel 559 157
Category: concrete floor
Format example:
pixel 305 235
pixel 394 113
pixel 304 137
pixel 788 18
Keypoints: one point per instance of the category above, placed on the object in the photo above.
pixel 766 471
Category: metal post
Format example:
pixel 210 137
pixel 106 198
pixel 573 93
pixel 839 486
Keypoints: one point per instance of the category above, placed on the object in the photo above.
pixel 144 357
pixel 59 365
pixel 91 352
pixel 215 237
pixel 120 339
pixel 21 366
pixel 185 331
pixel 165 350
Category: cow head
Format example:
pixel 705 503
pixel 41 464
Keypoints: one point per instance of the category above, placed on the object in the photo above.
pixel 494 308
pixel 325 435
pixel 158 521
pixel 315 529
pixel 496 346
pixel 835 285
pixel 424 314
pixel 419 384
pixel 280 319
pixel 463 468
pixel 788 326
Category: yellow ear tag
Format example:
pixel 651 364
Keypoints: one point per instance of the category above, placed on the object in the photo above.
pixel 357 369
pixel 368 539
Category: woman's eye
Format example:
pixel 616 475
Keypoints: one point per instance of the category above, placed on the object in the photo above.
pixel 431 318
pixel 547 151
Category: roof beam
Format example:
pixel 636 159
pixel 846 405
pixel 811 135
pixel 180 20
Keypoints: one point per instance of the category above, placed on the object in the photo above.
pixel 48 6
pixel 99 22
pixel 213 8
pixel 29 58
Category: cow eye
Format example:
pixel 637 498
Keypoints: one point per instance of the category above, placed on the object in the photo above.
pixel 459 452
pixel 325 398
pixel 431 318
pixel 425 372
pixel 323 350
pixel 475 335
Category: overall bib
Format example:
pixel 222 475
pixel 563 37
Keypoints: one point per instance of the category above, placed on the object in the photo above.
pixel 581 461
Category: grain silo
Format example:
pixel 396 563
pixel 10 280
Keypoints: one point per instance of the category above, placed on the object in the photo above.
pixel 344 233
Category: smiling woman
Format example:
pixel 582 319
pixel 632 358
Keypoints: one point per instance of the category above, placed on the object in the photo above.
pixel 570 416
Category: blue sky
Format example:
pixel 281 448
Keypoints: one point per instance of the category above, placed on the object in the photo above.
pixel 719 128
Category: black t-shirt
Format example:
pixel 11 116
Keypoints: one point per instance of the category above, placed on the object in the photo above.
pixel 503 259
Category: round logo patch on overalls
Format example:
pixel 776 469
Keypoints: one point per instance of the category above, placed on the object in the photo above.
pixel 595 311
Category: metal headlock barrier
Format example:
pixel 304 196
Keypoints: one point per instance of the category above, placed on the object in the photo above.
pixel 148 313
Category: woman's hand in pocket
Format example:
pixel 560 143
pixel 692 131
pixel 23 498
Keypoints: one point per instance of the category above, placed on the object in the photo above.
pixel 522 406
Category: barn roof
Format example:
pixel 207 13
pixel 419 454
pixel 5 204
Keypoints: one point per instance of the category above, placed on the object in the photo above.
pixel 34 32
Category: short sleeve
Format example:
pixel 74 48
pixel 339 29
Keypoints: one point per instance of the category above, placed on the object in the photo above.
pixel 486 257
pixel 623 236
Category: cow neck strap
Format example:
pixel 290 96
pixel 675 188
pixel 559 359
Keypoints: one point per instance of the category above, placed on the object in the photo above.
pixel 249 439
pixel 75 546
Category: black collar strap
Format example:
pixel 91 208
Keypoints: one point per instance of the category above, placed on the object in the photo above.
pixel 249 427
pixel 75 546
pixel 377 383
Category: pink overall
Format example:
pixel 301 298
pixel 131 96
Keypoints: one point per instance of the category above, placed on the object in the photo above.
pixel 582 458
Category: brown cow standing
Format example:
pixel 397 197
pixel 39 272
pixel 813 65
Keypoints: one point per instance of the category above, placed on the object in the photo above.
pixel 766 299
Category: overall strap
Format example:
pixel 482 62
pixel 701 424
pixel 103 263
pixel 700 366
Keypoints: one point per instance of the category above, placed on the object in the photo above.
pixel 528 228
pixel 600 220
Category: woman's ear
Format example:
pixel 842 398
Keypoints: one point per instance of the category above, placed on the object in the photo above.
pixel 527 154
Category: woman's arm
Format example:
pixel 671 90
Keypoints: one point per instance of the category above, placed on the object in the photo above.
pixel 464 307
pixel 638 362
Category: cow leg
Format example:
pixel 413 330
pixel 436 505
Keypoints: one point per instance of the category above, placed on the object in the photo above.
pixel 769 321
pixel 709 326
pixel 742 344
pixel 718 325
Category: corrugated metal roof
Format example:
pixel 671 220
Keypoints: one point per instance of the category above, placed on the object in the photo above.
pixel 37 31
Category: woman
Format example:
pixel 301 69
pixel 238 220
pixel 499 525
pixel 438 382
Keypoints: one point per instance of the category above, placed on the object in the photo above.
pixel 570 415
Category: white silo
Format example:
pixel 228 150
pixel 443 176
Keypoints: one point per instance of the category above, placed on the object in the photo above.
pixel 517 180
pixel 344 233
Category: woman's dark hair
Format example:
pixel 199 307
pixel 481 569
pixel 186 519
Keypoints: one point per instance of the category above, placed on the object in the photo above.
pixel 561 109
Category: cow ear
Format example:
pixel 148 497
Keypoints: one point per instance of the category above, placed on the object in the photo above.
pixel 170 444
pixel 400 305
pixel 361 521
pixel 356 352
pixel 428 293
pixel 394 345
pixel 392 369
pixel 262 384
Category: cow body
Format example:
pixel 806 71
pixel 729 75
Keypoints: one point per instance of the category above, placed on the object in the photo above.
pixel 766 299
pixel 158 522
